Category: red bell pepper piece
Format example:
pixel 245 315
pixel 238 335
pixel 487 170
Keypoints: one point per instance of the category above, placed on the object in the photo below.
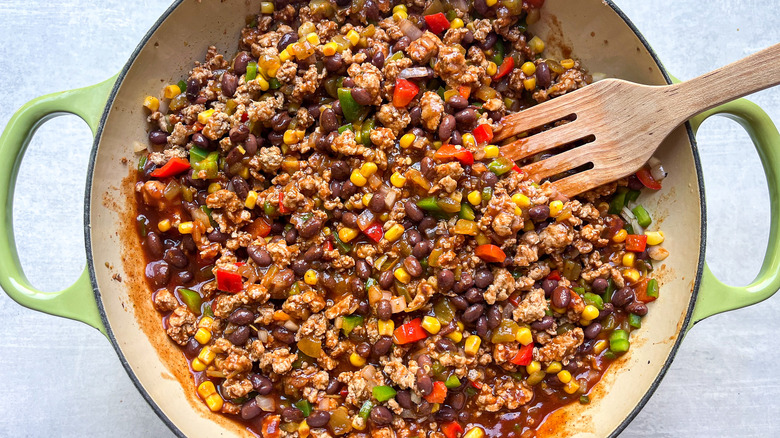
pixel 229 281
pixel 490 253
pixel 328 245
pixel 452 429
pixel 174 166
pixel 505 68
pixel 282 208
pixel 476 385
pixel 404 92
pixel 636 242
pixel 554 275
pixel 450 152
pixel 517 169
pixel 410 332
pixel 464 91
pixel 259 228
pixel 437 23
pixel 344 392
pixel 483 133
pixel 270 426
pixel 640 289
pixel 515 300
pixel 244 117
pixel 647 179
pixel 524 356
pixel 197 127
pixel 375 232
pixel 439 393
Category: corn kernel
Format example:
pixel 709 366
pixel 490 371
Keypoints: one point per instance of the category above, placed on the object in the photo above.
pixel 536 44
pixel 631 274
pixel 402 276
pixel 313 39
pixel 524 336
pixel 206 388
pixel 397 180
pixel 431 324
pixel 628 259
pixel 555 208
pixel 310 277
pixel 477 431
pixel 571 387
pixel 456 23
pixel 521 200
pixel 251 199
pixel 407 140
pixel 357 360
pixel 567 63
pixel 620 236
pixel 171 91
pixel 491 3
pixel 203 336
pixel 366 199
pixel 456 336
pixel 347 234
pixel 600 346
pixel 533 367
pixel 655 237
pixel 368 169
pixel 475 198
pixel 590 312
pixel 395 232
pixel 186 227
pixel 204 116
pixel 491 151
pixel 358 423
pixel 206 323
pixel 357 178
pixel 290 137
pixel 529 68
pixel 214 402
pixel 385 327
pixel 397 8
pixel 353 37
pixel 491 68
pixel 266 7
pixel 400 15
pixel 472 345
pixel 151 103
pixel 264 85
pixel 284 55
pixel 564 376
pixel 554 368
pixel 330 49
pixel 304 429
pixel 206 355
pixel 197 365
pixel 213 187
pixel 530 83
pixel 164 225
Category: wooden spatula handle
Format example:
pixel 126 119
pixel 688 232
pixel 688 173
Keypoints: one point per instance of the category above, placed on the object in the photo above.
pixel 756 72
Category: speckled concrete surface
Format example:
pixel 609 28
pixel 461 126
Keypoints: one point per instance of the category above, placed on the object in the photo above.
pixel 61 378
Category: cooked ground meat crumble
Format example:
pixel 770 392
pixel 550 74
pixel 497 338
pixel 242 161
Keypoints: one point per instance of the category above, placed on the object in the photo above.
pixel 339 249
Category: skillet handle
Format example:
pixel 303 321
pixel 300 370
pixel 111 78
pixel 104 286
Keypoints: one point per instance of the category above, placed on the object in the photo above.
pixel 715 296
pixel 77 301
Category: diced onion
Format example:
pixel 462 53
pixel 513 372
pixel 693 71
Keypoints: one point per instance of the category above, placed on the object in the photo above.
pixel 656 169
pixel 628 215
pixel 409 29
pixel 390 198
pixel 657 253
pixel 414 72
pixel 291 325
pixel 265 403
pixel 398 304
pixel 262 336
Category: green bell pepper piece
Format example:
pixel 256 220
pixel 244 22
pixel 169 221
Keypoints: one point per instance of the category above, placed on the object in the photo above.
pixel 345 127
pixel 452 382
pixel 304 406
pixel 618 341
pixel 251 71
pixel 383 393
pixel 198 154
pixel 207 310
pixel 444 311
pixel 192 299
pixel 594 300
pixel 349 107
pixel 365 131
pixel 652 288
pixel 635 320
pixel 429 204
pixel 632 195
pixel 209 165
pixel 607 296
pixel 501 165
pixel 618 201
pixel 349 323
pixel 498 52
pixel 365 410
pixel 642 216
pixel 466 212
pixel 343 247
pixel 182 86
pixel 142 163
pixel 274 84
pixel 487 193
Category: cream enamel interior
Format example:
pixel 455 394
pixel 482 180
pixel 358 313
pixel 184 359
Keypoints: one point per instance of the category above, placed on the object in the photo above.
pixel 593 31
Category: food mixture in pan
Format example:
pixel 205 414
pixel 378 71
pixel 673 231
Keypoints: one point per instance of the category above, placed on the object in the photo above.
pixel 338 247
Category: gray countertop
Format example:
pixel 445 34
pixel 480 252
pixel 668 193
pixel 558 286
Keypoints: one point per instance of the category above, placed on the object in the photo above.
pixel 62 378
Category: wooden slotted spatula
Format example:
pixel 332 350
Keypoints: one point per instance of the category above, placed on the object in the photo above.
pixel 623 123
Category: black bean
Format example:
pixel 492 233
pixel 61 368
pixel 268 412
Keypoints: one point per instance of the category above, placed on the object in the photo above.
pixel 623 297
pixel 382 346
pixel 377 202
pixel 425 363
pixel 328 120
pixel 361 96
pixel 176 257
pixel 292 414
pixel 424 383
pixel 259 255
pixel 348 82
pixel 334 63
pixel 539 213
pixel 457 400
pixel 291 236
pixel 494 317
pixel 489 41
pixel 349 219
pixel 456 138
pixel 427 167
pixel 422 249
pixel 363 349
pixel 413 237
pixel 239 336
pixel 549 286
pixel 416 116
pixel 404 399
pixel 413 266
pixel 427 223
pixel 424 409
pixel 402 44
pixel 459 302
pixel 286 40
pixel 339 170
pixel 481 7
pixel 383 309
pixel 240 186
pixel 154 244
pixel 446 344
pixel 218 236
pixel 446 414
pixel 489 179
pixel 458 102
pixel 239 133
pixel 378 59
pixel 466 117
pixel 482 326
pixel 446 279
pixel 543 324
pixel 276 138
pixel 609 309
pixel 185 276
pixel 386 279
pixel 468 38
pixel 466 282
pixel 371 9
pixel 241 317
pixel 446 127
pixel 599 285
pixel 192 88
pixel 283 335
pixel 250 145
pixel 592 330
pixel 561 297
pixel 240 62
pixel 200 140
pixel 543 78
pixel 313 254
pixel 380 415
pixel 229 84
pixel 483 279
pixel 634 183
pixel 192 347
pixel 474 295
pixel 158 137
pixel 318 418
pixel 300 267
pixel 250 410
pixel 310 228
pixel 473 312
pixel 333 387
pixel 261 384
pixel 414 212
pixel 637 308
pixel 280 122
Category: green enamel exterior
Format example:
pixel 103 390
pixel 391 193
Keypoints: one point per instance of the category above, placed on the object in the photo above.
pixel 77 301
pixel 715 296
